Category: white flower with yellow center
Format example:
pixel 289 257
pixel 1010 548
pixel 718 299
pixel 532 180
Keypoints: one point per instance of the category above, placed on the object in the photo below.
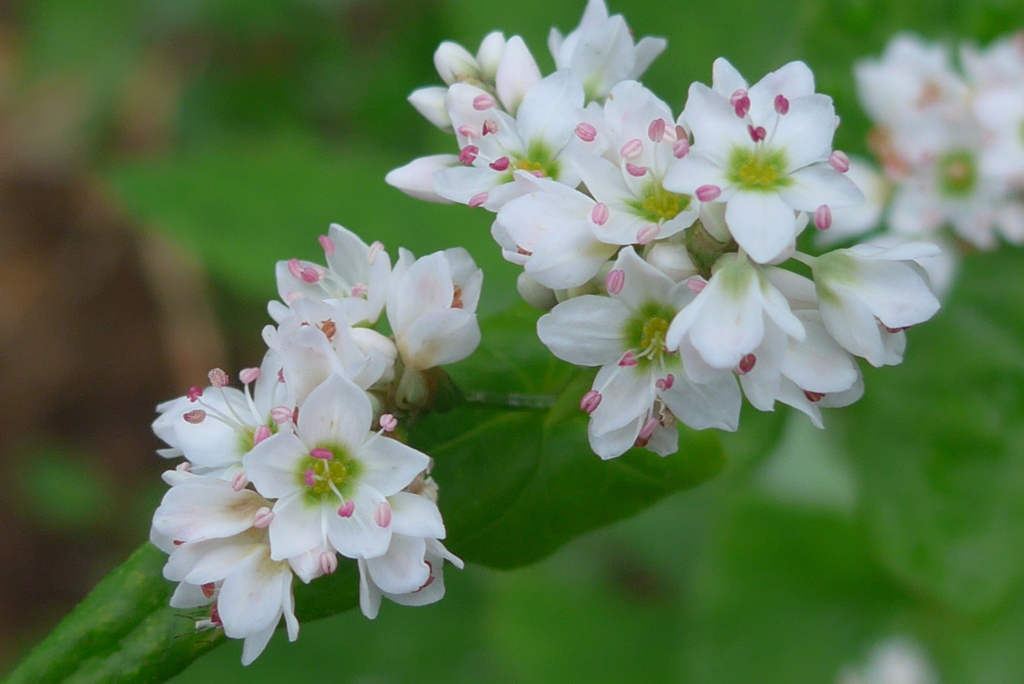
pixel 332 475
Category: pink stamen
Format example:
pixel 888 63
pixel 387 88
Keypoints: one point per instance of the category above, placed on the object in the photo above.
pixel 295 268
pixel 359 290
pixel 215 616
pixel 490 126
pixel 194 393
pixel 208 589
pixel 382 514
pixel 346 509
pixel 239 481
pixel 500 164
pixel 894 330
pixel 586 132
pixel 647 431
pixel 261 433
pixel 280 375
pixel 757 134
pixel 322 454
pixel 823 217
pixel 218 378
pixel 184 467
pixel 376 248
pixel 740 103
pixel 614 281
pixel 781 104
pixel 839 161
pixel 477 200
pixel 599 214
pixel 248 375
pixel 482 102
pixel 292 296
pixel 680 148
pixel 814 397
pixel 309 477
pixel 468 132
pixel 696 284
pixel 537 174
pixel 263 518
pixel 637 171
pixel 328 563
pixel 195 417
pixel 328 245
pixel 656 131
pixel 590 401
pixel 708 193
pixel 633 149
pixel 281 414
pixel 666 382
pixel 310 275
pixel 647 233
pixel 628 359
pixel 468 154
pixel 746 364
pixel 388 422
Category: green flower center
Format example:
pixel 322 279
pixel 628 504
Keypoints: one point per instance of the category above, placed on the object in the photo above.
pixel 761 170
pixel 321 477
pixel 658 204
pixel 646 332
pixel 538 159
pixel 958 174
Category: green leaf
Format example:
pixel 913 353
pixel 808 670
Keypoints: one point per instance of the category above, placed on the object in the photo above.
pixel 517 479
pixel 938 443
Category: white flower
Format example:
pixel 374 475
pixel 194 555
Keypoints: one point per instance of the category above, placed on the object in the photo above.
pixel 727 319
pixel 431 591
pixel 331 476
pixel 625 334
pixel 763 169
pixel 214 428
pixel 432 307
pixel 540 139
pixel 219 543
pixel 997 65
pixel 355 279
pixel 853 221
pixel 869 294
pixel 416 178
pixel 601 51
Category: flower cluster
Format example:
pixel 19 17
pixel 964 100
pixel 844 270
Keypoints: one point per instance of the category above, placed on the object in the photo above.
pixel 664 247
pixel 305 463
pixel 950 143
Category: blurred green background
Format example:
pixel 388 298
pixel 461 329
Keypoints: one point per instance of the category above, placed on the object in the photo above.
pixel 157 157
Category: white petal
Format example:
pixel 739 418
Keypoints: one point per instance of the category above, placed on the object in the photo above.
pixel 439 338
pixel 627 392
pixel 614 443
pixel 714 405
pixel 820 184
pixel 401 570
pixel 430 103
pixel 388 465
pixel 806 132
pixel 273 464
pixel 204 508
pixel 416 178
pixel 359 536
pixel 296 527
pixel 548 113
pixel 517 72
pixel 586 330
pixel 762 224
pixel 416 516
pixel 336 412
pixel 369 594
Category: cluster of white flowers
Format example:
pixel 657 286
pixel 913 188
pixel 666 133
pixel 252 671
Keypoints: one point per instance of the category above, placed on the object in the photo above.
pixel 950 143
pixel 656 242
pixel 304 464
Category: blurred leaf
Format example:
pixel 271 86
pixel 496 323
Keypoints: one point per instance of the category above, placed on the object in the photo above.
pixel 60 491
pixel 938 443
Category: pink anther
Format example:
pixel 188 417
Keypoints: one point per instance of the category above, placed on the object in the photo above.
pixel 708 193
pixel 647 431
pixel 757 134
pixel 194 393
pixel 632 149
pixel 740 102
pixel 746 364
pixel 823 217
pixel 586 132
pixel 468 154
pixel 647 233
pixel 839 161
pixel 468 132
pixel 636 171
pixel 490 127
pixel 382 514
pixel 666 382
pixel 346 509
pixel 280 414
pixel 656 131
pixel 614 281
pixel 264 517
pixel 218 378
pixel 247 375
pixel 477 200
pixel 590 401
pixel 696 284
pixel 239 481
pixel 309 477
pixel 195 417
pixel 599 214
pixel 500 164
pixel 322 454
pixel 295 268
pixel 328 562
pixel 388 422
pixel 260 434
pixel 814 397
pixel 628 359
pixel 482 102
pixel 328 245
pixel 781 104
pixel 680 148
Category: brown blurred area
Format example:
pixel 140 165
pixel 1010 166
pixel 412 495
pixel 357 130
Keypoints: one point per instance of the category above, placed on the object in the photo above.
pixel 99 321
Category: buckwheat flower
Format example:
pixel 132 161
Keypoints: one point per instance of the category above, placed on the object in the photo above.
pixel 540 139
pixel 220 544
pixel 869 294
pixel 625 334
pixel 601 51
pixel 416 179
pixel 764 170
pixel 644 139
pixel 430 591
pixel 214 427
pixel 331 476
pixel 998 65
pixel 550 231
pixel 727 319
pixel 431 305
pixel 355 279
pixel 1001 114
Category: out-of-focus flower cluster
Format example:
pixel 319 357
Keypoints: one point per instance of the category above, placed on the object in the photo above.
pixel 950 143
pixel 893 661
pixel 664 246
pixel 304 463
